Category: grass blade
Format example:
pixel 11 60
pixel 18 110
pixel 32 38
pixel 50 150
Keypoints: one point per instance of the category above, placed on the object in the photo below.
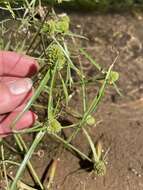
pixel 94 104
pixel 26 159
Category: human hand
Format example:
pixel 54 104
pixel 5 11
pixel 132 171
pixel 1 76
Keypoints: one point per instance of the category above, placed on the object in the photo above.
pixel 15 90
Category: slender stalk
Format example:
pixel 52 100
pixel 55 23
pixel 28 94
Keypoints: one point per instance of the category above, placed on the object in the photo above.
pixel 33 98
pixel 23 147
pixel 36 35
pixel 95 156
pixel 18 138
pixel 67 55
pixel 26 159
pixel 4 167
pixel 72 147
pixel 93 105
pixel 50 101
pixel 84 98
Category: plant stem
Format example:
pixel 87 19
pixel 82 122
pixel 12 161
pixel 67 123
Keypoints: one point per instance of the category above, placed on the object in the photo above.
pixel 23 147
pixel 72 147
pixel 26 159
pixel 4 167
pixel 93 105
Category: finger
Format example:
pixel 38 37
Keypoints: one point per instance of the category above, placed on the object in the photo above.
pixel 8 80
pixel 14 93
pixel 15 64
pixel 2 117
pixel 26 121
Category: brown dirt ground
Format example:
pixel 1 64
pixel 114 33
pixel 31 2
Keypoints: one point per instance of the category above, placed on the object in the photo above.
pixel 121 127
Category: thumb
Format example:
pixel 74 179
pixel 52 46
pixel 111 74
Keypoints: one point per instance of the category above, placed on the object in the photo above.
pixel 13 93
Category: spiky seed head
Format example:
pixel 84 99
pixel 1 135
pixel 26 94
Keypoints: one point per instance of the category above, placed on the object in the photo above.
pixel 114 76
pixel 56 54
pixel 100 168
pixel 54 126
pixel 90 120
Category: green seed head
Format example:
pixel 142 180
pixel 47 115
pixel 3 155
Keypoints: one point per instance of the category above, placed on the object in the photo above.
pixel 90 120
pixel 49 27
pixel 55 54
pixel 54 127
pixel 114 76
pixel 62 26
pixel 56 26
pixel 100 168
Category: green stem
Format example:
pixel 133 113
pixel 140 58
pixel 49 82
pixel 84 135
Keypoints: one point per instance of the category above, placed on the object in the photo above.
pixel 50 101
pixel 33 98
pixel 26 160
pixel 23 147
pixel 67 56
pixel 72 147
pixel 4 167
pixel 93 105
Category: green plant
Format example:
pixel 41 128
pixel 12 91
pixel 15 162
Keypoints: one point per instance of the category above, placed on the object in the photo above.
pixel 47 40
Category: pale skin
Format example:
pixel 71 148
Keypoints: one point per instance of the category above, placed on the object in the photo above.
pixel 15 90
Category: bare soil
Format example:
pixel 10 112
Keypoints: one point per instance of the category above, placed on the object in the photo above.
pixel 121 126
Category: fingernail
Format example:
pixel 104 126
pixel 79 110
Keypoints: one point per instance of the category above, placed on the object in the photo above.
pixel 20 86
pixel 36 116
